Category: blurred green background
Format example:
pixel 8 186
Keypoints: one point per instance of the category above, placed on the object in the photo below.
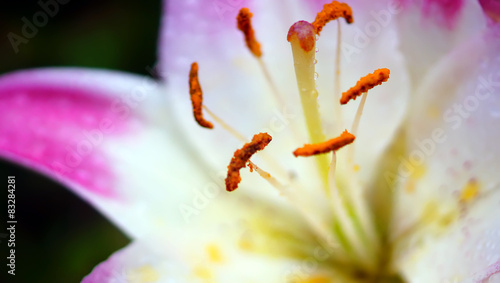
pixel 59 238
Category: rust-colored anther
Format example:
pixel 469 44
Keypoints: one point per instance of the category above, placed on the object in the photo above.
pixel 364 84
pixel 197 97
pixel 241 157
pixel 330 145
pixel 332 12
pixel 244 19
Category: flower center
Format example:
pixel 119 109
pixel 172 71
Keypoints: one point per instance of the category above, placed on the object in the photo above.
pixel 349 226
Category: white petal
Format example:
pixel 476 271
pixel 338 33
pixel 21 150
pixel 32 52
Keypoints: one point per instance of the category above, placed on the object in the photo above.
pixel 160 260
pixel 452 164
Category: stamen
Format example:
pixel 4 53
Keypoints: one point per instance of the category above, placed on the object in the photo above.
pixel 197 97
pixel 318 226
pixel 332 12
pixel 339 119
pixel 339 211
pixel 245 25
pixel 303 41
pixel 330 145
pixel 244 19
pixel 242 156
pixel 225 125
pixel 364 84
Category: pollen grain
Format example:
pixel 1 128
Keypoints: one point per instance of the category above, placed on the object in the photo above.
pixel 242 156
pixel 364 84
pixel 330 145
pixel 197 97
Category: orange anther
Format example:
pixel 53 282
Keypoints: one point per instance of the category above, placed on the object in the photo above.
pixel 244 19
pixel 364 84
pixel 330 145
pixel 332 12
pixel 241 157
pixel 197 97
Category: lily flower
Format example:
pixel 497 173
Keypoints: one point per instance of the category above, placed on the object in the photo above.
pixel 401 185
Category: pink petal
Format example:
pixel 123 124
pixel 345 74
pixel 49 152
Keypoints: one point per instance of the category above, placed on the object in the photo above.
pixel 431 29
pixel 54 125
pixel 102 134
pixel 491 8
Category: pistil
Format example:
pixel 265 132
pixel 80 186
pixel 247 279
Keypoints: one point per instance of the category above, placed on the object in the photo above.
pixel 302 38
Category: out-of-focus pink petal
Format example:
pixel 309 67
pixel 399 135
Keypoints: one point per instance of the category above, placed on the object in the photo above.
pixel 105 135
pixel 491 8
pixel 443 12
pixel 430 29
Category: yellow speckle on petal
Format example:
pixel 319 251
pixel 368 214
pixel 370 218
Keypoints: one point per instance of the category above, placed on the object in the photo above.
pixel 470 191
pixel 214 253
pixel 145 273
pixel 438 216
pixel 203 272
pixel 356 168
pixel 410 186
pixel 434 112
pixel 245 244
pixel 419 172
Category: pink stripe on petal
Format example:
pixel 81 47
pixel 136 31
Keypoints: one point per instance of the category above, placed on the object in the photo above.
pixel 489 273
pixel 491 8
pixel 59 130
pixel 444 12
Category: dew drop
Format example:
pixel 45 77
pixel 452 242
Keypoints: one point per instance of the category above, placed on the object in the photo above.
pixel 317 50
pixel 316 75
pixel 315 61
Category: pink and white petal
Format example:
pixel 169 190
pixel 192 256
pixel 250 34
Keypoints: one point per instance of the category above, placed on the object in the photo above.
pixel 215 260
pixel 451 169
pixel 430 29
pixel 142 173
pixel 103 134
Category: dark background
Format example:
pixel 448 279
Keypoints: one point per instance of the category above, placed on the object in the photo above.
pixel 59 238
